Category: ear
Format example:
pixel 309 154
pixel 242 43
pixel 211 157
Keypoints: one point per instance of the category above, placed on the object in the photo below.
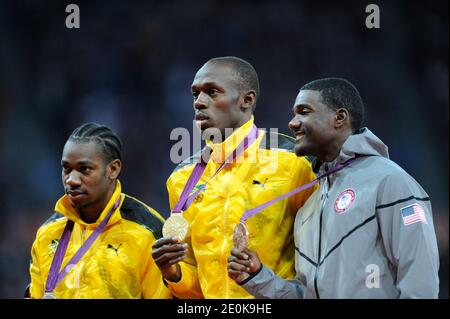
pixel 249 100
pixel 341 118
pixel 113 169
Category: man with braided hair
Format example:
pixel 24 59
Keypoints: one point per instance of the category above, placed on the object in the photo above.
pixel 98 242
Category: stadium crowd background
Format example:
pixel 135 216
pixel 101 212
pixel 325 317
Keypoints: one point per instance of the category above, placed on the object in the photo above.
pixel 130 66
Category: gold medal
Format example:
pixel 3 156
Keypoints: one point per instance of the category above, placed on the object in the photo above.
pixel 49 295
pixel 240 236
pixel 176 225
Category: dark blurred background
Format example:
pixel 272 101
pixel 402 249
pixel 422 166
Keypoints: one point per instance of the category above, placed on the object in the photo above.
pixel 130 66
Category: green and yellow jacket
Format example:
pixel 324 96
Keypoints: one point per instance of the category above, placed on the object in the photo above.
pixel 119 263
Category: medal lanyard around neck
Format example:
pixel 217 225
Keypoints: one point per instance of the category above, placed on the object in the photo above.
pixel 54 276
pixel 251 212
pixel 185 200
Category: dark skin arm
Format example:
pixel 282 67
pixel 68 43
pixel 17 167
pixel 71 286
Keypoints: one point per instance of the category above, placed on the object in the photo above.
pixel 242 264
pixel 167 252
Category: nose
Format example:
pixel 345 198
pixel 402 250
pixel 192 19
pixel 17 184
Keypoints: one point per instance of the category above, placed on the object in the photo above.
pixel 294 124
pixel 200 102
pixel 73 179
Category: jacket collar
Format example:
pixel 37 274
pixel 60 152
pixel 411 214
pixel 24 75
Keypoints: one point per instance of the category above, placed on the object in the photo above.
pixel 363 143
pixel 220 151
pixel 64 207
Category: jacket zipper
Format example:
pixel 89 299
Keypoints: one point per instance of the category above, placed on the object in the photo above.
pixel 325 196
pixel 83 235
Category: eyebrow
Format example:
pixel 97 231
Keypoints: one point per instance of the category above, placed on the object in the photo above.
pixel 303 104
pixel 207 84
pixel 82 162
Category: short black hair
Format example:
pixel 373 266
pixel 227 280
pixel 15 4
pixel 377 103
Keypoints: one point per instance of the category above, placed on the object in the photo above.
pixel 101 134
pixel 245 71
pixel 337 93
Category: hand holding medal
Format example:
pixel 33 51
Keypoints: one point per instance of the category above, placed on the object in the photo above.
pixel 243 262
pixel 176 226
pixel 240 242
pixel 240 236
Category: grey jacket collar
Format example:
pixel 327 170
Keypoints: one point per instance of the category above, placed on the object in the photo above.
pixel 363 143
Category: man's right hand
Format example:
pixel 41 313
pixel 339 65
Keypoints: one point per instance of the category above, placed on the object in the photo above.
pixel 242 264
pixel 166 253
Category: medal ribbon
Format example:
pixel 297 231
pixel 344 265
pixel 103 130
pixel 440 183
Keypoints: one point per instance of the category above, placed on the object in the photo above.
pixel 185 200
pixel 251 212
pixel 54 277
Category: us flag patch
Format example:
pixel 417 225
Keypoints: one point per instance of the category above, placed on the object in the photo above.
pixel 412 214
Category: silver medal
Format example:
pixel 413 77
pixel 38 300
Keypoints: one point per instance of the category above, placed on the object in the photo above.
pixel 49 295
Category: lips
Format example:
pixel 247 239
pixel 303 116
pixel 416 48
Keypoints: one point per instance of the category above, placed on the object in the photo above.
pixel 299 134
pixel 201 120
pixel 75 194
pixel 201 117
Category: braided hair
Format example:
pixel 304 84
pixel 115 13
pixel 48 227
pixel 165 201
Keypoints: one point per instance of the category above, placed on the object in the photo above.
pixel 102 135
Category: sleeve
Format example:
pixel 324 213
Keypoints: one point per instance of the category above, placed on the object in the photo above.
pixel 303 174
pixel 152 286
pixel 406 224
pixel 188 286
pixel 37 285
pixel 266 285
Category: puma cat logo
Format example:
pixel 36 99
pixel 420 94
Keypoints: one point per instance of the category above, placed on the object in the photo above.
pixel 263 185
pixel 110 246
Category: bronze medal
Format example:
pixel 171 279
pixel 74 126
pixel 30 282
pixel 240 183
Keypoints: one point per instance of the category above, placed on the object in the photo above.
pixel 49 295
pixel 240 236
pixel 175 225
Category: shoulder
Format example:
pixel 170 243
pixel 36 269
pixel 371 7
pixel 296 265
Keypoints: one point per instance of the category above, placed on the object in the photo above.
pixel 393 182
pixel 55 218
pixel 189 162
pixel 277 141
pixel 183 169
pixel 387 170
pixel 54 222
pixel 50 230
pixel 137 212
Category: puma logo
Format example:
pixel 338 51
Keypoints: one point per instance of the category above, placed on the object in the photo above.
pixel 263 185
pixel 110 246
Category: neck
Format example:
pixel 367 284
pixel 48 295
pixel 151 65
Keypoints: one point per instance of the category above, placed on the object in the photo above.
pixel 227 133
pixel 91 213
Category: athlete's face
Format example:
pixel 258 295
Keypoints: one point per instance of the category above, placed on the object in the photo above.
pixel 312 124
pixel 218 101
pixel 86 176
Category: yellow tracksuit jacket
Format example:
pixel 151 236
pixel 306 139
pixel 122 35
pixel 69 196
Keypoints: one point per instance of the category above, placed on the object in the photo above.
pixel 119 263
pixel 264 174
